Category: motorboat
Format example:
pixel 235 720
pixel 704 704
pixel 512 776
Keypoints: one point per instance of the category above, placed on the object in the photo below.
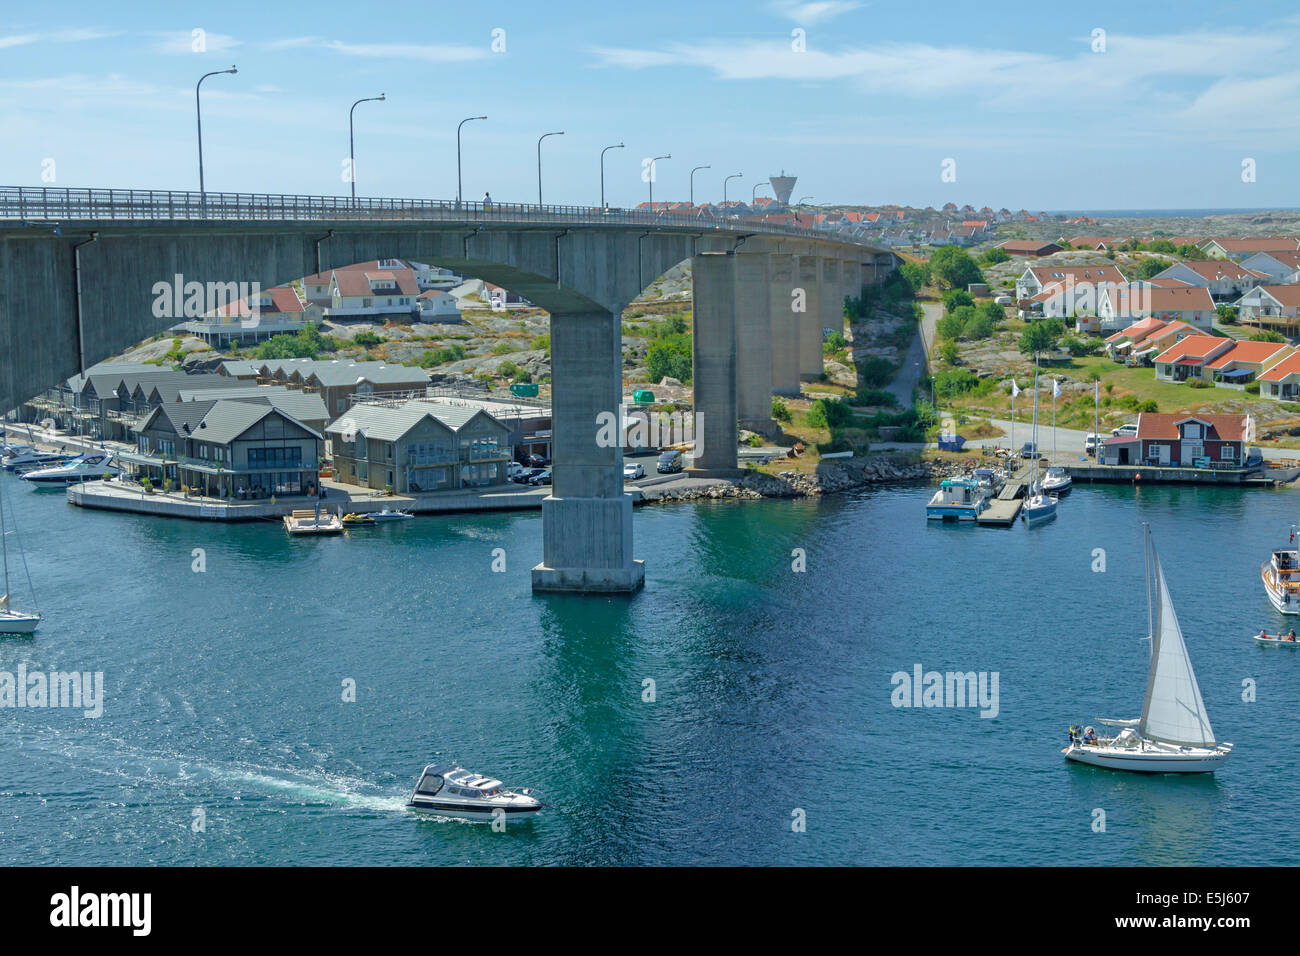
pixel 1281 577
pixel 308 521
pixel 393 515
pixel 958 499
pixel 31 458
pixel 1173 735
pixel 446 790
pixel 1056 481
pixel 352 519
pixel 1275 640
pixel 92 466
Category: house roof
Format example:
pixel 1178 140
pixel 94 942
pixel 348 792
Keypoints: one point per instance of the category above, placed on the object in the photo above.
pixel 357 282
pixel 1147 299
pixel 1284 369
pixel 1165 425
pixel 1024 247
pixel 1137 330
pixel 389 423
pixel 227 419
pixel 1093 274
pixel 1258 244
pixel 1289 259
pixel 1194 348
pixel 1211 269
pixel 1286 295
pixel 340 372
pixel 1252 353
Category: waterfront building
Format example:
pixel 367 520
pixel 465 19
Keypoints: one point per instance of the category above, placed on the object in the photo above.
pixel 418 446
pixel 227 448
pixel 1186 439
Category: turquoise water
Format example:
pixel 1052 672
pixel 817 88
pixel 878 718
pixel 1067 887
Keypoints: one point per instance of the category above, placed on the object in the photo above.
pixel 772 688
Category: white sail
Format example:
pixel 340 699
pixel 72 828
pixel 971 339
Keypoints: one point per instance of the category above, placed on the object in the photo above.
pixel 1172 710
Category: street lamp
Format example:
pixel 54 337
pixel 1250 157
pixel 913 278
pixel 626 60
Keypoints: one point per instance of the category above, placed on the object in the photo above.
pixel 458 126
pixel 539 162
pixel 753 196
pixel 724 185
pixel 352 149
pixel 802 198
pixel 602 170
pixel 693 182
pixel 652 178
pixel 198 115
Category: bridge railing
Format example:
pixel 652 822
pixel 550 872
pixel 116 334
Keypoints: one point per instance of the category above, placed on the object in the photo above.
pixel 60 205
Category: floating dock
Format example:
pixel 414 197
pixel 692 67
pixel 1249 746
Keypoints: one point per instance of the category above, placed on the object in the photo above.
pixel 1005 508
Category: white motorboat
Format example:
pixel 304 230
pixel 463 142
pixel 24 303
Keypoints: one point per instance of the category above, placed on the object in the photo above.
pixel 446 790
pixel 1173 735
pixel 1057 481
pixel 1281 577
pixel 958 499
pixel 92 466
pixel 394 515
pixel 13 621
pixel 31 458
pixel 1275 640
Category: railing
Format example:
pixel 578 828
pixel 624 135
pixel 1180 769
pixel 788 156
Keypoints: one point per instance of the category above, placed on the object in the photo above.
pixel 47 204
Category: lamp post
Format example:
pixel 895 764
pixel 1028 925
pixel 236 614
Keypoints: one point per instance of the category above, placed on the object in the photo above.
pixel 724 185
pixel 198 115
pixel 602 170
pixel 352 148
pixel 539 161
pixel 802 198
pixel 652 178
pixel 693 182
pixel 753 196
pixel 458 126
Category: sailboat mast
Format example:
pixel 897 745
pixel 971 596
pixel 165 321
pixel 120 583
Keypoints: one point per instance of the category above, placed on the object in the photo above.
pixel 4 542
pixel 1034 435
pixel 1053 419
pixel 1151 627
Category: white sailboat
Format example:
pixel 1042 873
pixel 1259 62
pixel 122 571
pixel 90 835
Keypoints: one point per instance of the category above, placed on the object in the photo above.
pixel 1039 506
pixel 13 621
pixel 1057 480
pixel 1173 735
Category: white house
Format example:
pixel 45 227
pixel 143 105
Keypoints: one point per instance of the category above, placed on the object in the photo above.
pixel 1120 307
pixel 1271 305
pixel 1223 277
pixel 1037 278
pixel 1282 268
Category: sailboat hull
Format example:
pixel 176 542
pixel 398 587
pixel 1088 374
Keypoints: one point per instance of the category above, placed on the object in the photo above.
pixel 17 622
pixel 1183 760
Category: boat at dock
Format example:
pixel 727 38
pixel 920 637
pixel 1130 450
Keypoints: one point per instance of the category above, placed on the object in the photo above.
pixel 1039 505
pixel 308 521
pixel 352 520
pixel 1057 481
pixel 31 458
pixel 446 790
pixel 92 466
pixel 1173 735
pixel 13 621
pixel 958 499
pixel 394 515
pixel 1281 577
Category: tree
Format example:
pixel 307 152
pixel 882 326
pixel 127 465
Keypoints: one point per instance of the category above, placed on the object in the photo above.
pixel 1227 314
pixel 956 297
pixel 954 268
pixel 1039 336
pixel 950 326
pixel 1266 335
pixel 948 352
pixel 915 274
pixel 978 326
pixel 669 356
pixel 1148 268
pixel 992 257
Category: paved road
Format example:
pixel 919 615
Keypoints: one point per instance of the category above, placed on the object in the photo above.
pixel 909 373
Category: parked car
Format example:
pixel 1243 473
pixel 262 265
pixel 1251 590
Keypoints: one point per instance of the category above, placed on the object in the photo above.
pixel 1028 450
pixel 526 477
pixel 1091 442
pixel 633 470
pixel 670 461
pixel 1002 300
pixel 1130 429
pixel 514 470
pixel 538 461
pixel 542 478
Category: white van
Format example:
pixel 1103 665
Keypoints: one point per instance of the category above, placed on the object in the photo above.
pixel 1130 430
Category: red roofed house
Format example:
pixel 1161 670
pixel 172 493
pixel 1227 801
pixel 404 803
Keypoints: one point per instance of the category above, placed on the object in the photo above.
pixel 1245 361
pixel 1187 358
pixel 1153 343
pixel 1280 267
pixel 1224 279
pixel 263 314
pixel 1127 304
pixel 1120 344
pixel 1186 439
pixel 1282 381
pixel 1272 305
pixel 1028 247
pixel 385 288
pixel 1244 248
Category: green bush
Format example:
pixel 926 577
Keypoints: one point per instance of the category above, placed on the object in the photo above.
pixel 1252 388
pixel 956 297
pixel 780 411
pixel 507 369
pixel 670 356
pixel 450 353
pixel 829 413
pixel 1198 383
pixel 834 342
pixel 502 348
pixel 948 352
pixel 875 372
pixel 875 396
pixel 366 338
pixel 991 257
pixel 915 274
pixel 953 267
pixel 1266 335
pixel 977 327
pixel 307 342
pixel 522 376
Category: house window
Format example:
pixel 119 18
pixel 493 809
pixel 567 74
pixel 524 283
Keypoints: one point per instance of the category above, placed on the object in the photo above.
pixel 1225 452
pixel 1192 430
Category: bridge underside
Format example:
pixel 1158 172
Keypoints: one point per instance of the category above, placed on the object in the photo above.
pixel 71 299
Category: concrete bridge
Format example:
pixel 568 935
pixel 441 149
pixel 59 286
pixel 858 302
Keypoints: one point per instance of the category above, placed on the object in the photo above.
pixel 78 270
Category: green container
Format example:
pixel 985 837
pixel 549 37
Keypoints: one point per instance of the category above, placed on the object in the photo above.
pixel 643 396
pixel 524 389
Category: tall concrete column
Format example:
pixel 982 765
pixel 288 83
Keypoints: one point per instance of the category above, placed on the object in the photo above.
pixel 785 326
pixel 754 343
pixel 587 519
pixel 851 279
pixel 713 295
pixel 810 322
pixel 832 297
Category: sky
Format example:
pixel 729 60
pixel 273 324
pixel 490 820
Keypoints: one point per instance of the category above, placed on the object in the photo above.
pixel 1041 106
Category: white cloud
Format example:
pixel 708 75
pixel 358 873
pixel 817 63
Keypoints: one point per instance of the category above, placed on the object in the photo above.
pixel 432 53
pixel 18 39
pixel 813 11
pixel 181 43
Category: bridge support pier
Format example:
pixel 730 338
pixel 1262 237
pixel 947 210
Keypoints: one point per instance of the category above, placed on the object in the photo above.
pixel 754 346
pixel 810 322
pixel 587 519
pixel 782 273
pixel 713 374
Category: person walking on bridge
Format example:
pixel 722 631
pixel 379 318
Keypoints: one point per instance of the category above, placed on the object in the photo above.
pixel 487 202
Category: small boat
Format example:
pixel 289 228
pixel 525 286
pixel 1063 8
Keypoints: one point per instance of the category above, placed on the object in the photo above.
pixel 1038 507
pixel 446 790
pixel 1281 577
pixel 1057 481
pixel 387 515
pixel 351 519
pixel 31 458
pixel 13 621
pixel 1275 640
pixel 92 466
pixel 1173 735
pixel 958 499
pixel 308 521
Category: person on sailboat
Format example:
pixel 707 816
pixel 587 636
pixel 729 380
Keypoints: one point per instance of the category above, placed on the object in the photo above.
pixel 1089 736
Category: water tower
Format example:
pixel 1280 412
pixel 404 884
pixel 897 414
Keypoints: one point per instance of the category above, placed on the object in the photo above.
pixel 783 186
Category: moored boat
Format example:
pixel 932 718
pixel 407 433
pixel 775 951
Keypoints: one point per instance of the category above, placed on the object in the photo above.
pixel 92 466
pixel 958 499
pixel 1281 577
pixel 1057 481
pixel 351 519
pixel 13 621
pixel 446 790
pixel 387 515
pixel 1173 735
